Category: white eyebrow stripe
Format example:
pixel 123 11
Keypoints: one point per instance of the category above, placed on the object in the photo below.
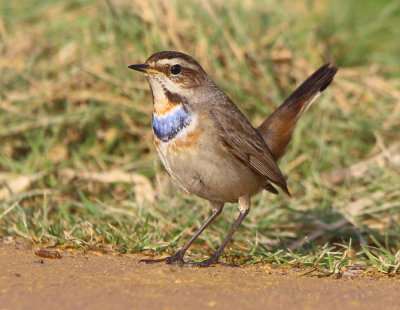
pixel 166 61
pixel 176 61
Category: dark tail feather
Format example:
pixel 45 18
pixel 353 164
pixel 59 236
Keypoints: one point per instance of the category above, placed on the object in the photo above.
pixel 269 187
pixel 277 128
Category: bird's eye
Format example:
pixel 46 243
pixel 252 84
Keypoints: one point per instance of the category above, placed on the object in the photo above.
pixel 176 69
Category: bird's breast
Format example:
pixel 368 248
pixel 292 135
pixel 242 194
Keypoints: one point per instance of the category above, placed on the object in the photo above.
pixel 175 130
pixel 167 124
pixel 176 136
pixel 197 161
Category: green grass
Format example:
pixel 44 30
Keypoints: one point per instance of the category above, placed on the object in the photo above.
pixel 77 163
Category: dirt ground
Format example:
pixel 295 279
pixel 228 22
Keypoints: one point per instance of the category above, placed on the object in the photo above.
pixel 97 281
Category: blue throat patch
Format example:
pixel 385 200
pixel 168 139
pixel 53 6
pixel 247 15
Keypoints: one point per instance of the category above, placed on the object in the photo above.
pixel 169 125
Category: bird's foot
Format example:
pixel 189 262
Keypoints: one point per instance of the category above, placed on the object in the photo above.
pixel 209 262
pixel 174 259
pixel 177 259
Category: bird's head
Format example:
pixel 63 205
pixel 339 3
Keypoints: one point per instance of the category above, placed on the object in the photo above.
pixel 174 73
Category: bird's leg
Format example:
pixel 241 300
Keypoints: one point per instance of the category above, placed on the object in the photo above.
pixel 214 259
pixel 244 206
pixel 177 258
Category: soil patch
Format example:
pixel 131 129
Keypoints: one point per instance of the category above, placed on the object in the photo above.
pixel 96 281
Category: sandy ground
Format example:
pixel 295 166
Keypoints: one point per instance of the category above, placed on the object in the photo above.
pixel 95 281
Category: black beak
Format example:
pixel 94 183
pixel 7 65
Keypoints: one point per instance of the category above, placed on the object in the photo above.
pixel 141 67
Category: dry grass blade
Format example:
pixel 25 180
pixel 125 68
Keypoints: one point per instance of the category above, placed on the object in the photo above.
pixel 142 186
pixel 387 158
pixel 13 185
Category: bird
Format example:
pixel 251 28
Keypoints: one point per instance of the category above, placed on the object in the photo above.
pixel 209 147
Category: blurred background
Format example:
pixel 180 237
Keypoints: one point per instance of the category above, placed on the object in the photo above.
pixel 77 162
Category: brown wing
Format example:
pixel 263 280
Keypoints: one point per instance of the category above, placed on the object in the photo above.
pixel 246 143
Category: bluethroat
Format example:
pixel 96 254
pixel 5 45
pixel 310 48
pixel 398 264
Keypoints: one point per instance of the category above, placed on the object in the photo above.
pixel 209 147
